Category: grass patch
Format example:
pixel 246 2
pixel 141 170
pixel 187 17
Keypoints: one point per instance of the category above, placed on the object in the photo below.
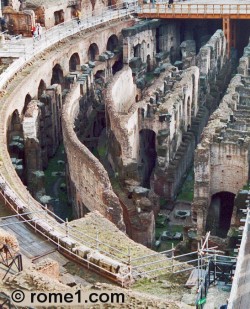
pixel 102 151
pixel 167 244
pixel 187 190
pixel 55 171
pixel 149 77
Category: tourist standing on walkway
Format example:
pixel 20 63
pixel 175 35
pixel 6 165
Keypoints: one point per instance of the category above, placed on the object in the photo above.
pixel 78 16
pixel 35 32
pixel 39 31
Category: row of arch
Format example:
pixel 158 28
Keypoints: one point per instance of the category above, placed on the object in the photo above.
pixel 58 76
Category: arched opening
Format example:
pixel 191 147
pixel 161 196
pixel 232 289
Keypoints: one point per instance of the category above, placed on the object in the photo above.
pixel 220 213
pixel 93 52
pixel 148 63
pixel 16 143
pixel 57 75
pixel 147 156
pixel 99 84
pixel 73 62
pixel 100 74
pixel 26 102
pixel 112 43
pixel 59 17
pixel 118 65
pixel 41 88
pixel 137 50
pixel 93 4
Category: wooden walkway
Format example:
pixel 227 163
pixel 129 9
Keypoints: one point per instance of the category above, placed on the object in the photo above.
pixel 196 10
pixel 227 10
pixel 32 245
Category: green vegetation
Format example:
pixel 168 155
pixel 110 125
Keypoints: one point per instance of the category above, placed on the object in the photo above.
pixel 187 191
pixel 54 180
pixel 149 77
pixel 246 187
pixel 163 225
pixel 102 151
pixel 163 201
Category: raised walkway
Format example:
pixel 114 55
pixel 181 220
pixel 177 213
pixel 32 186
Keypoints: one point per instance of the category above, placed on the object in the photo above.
pixel 24 49
pixel 227 10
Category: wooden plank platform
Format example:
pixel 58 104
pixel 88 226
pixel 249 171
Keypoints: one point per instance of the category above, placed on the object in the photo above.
pixel 198 9
pixel 32 245
pixel 193 278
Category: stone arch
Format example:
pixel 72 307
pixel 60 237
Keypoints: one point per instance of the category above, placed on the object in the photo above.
pixel 26 103
pixel 74 61
pixel 14 122
pixel 147 155
pixel 148 63
pixel 57 75
pixel 93 52
pixel 100 74
pixel 112 43
pixel 41 88
pixel 15 142
pixel 117 66
pixel 93 2
pixel 59 17
pixel 112 2
pixel 220 213
pixel 137 50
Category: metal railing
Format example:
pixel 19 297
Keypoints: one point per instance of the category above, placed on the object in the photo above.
pixel 26 49
pixel 195 9
pixel 62 234
pixel 56 223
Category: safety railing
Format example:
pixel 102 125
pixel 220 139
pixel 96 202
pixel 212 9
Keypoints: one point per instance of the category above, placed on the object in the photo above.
pixel 45 225
pixel 51 219
pixel 26 49
pixel 216 10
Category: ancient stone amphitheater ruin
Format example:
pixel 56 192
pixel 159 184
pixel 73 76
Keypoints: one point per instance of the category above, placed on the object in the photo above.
pixel 107 109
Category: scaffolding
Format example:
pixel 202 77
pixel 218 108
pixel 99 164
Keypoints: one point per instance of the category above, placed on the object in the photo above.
pixel 10 259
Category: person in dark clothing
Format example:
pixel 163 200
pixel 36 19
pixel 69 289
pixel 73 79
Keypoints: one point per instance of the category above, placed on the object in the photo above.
pixel 3 24
pixel 170 2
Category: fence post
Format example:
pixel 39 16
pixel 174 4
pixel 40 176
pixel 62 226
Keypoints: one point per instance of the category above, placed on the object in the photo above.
pixel 66 227
pixel 198 281
pixel 129 256
pixel 172 258
pixel 97 240
pixel 129 263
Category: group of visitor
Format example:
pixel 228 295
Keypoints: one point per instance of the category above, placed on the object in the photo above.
pixel 36 31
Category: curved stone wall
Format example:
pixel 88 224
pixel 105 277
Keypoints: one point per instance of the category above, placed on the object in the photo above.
pixel 88 178
pixel 26 82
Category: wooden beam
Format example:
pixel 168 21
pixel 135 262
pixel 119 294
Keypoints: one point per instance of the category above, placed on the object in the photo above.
pixel 227 32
